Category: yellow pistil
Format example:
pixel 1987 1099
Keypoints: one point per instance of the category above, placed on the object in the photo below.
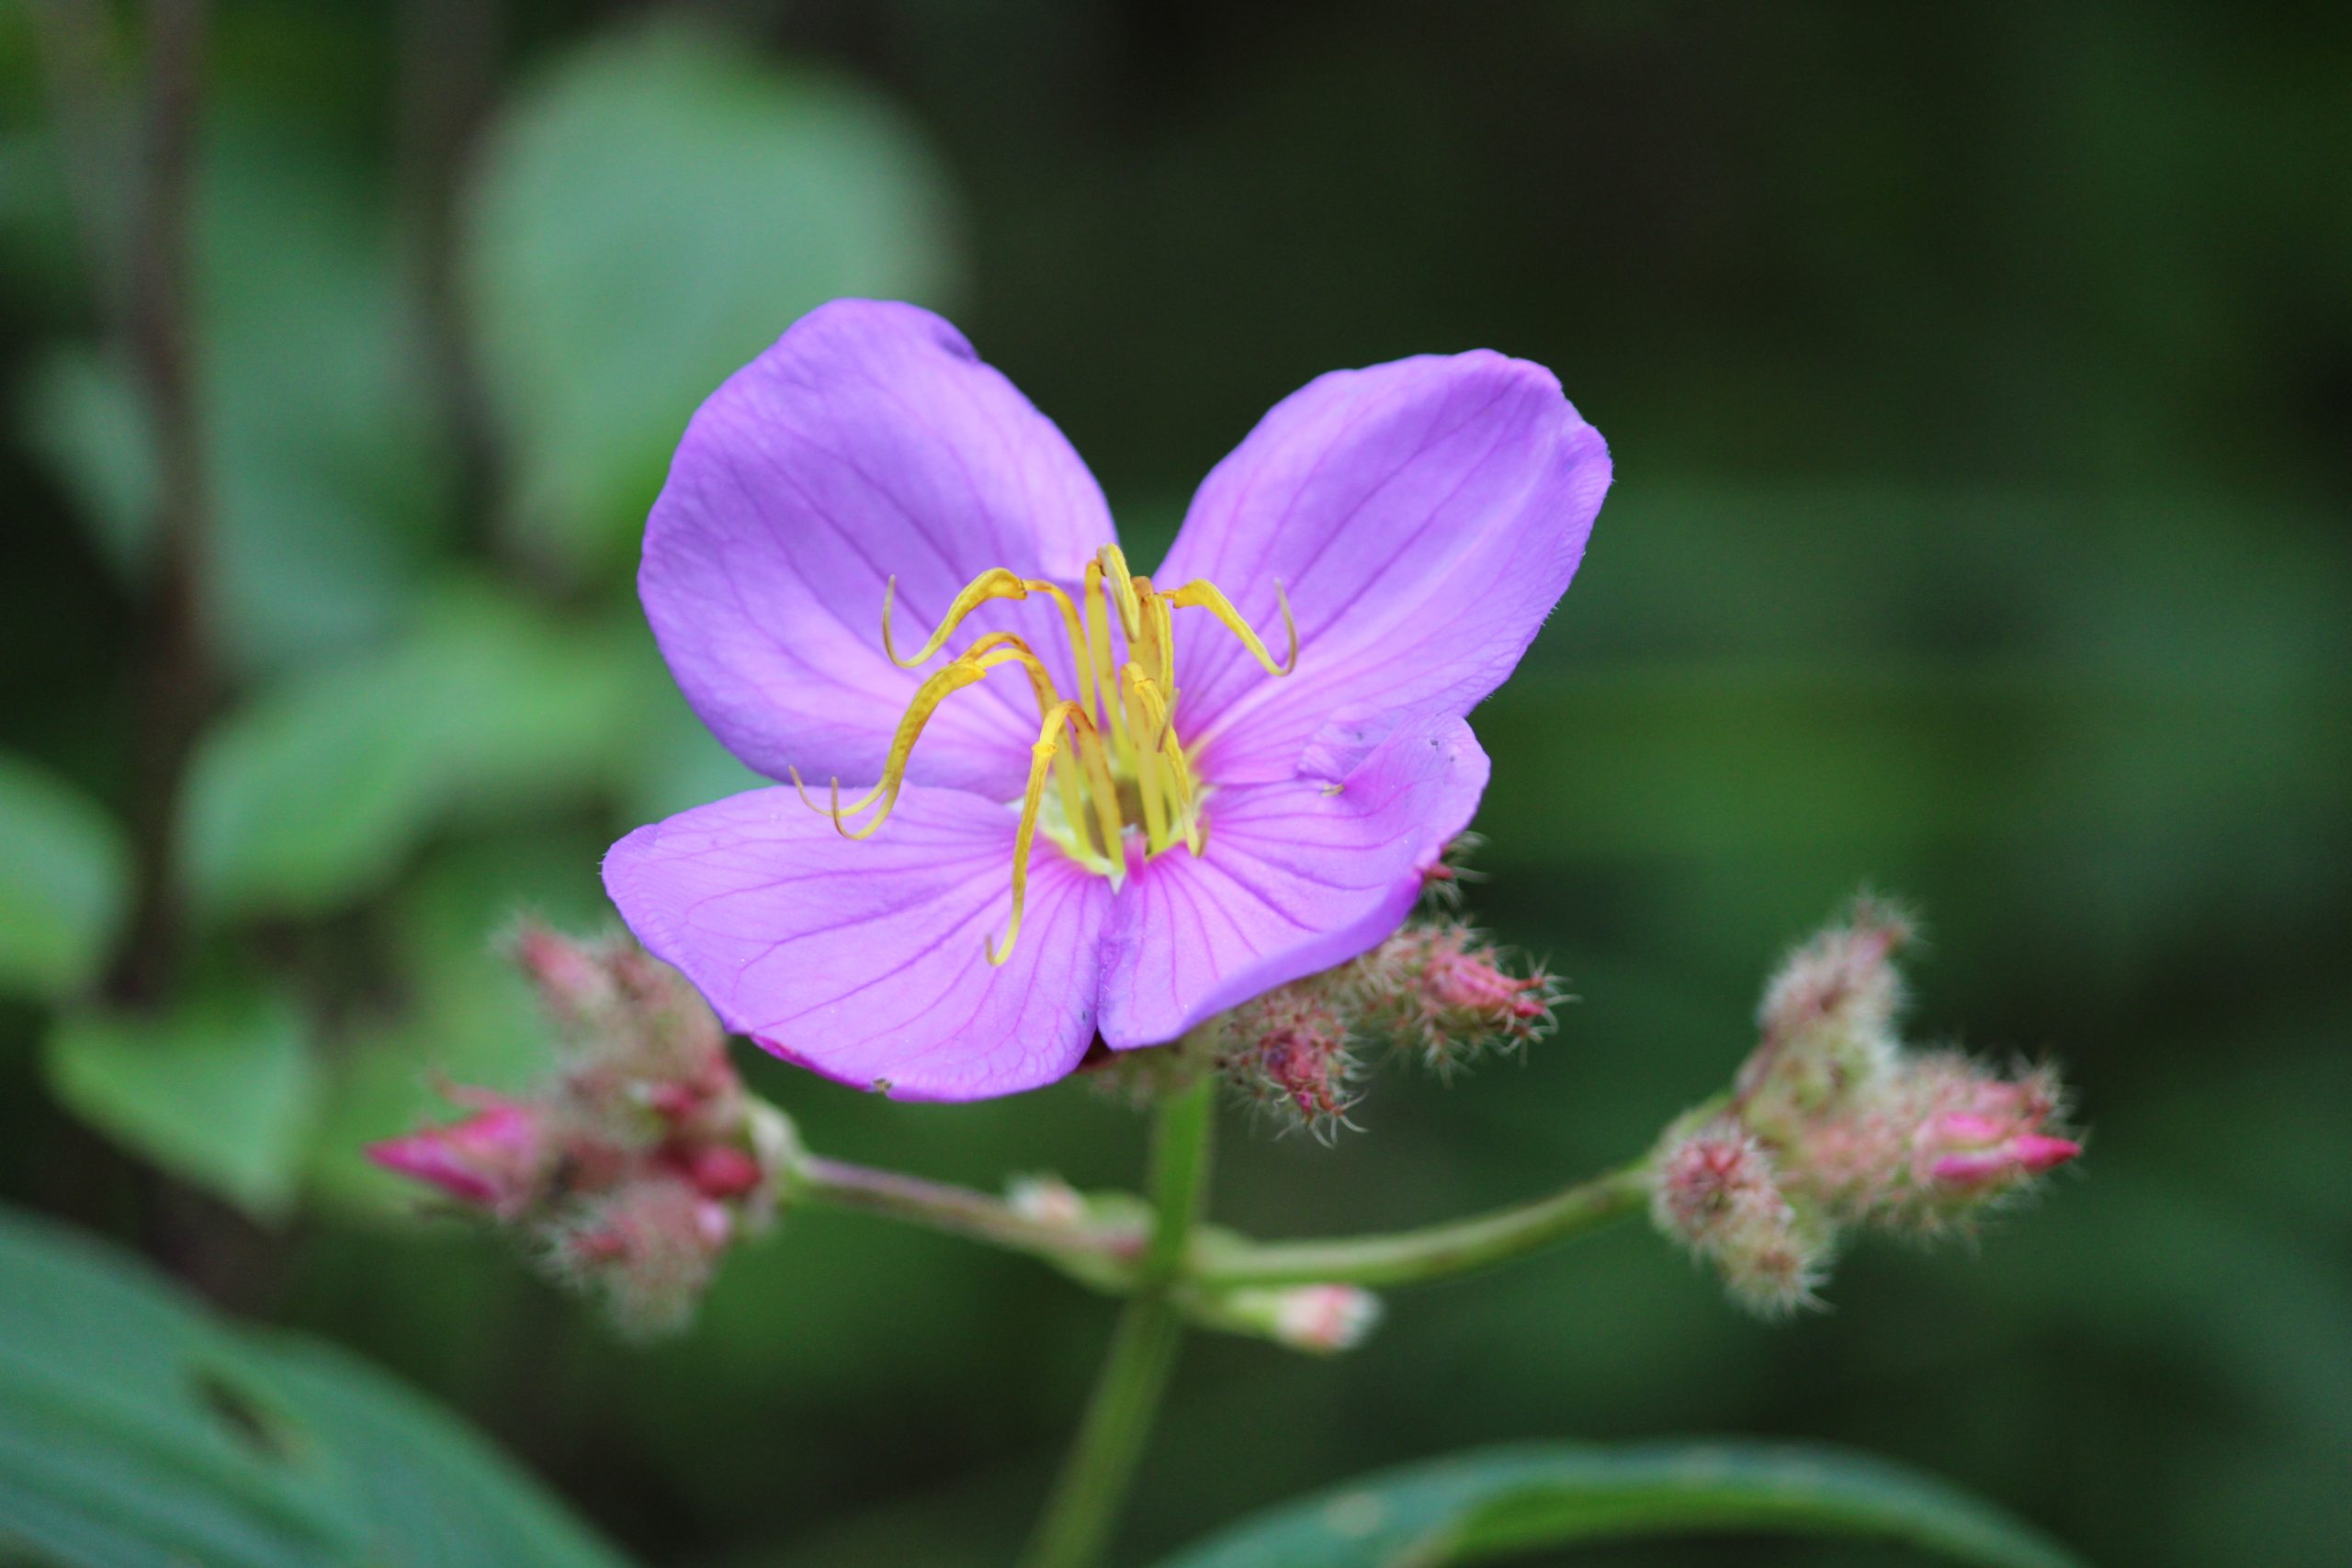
pixel 1119 731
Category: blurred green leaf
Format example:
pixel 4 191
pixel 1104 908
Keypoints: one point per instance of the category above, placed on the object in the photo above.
pixel 220 1090
pixel 63 882
pixel 652 213
pixel 317 790
pixel 325 478
pixel 1498 1502
pixel 136 1431
pixel 433 1493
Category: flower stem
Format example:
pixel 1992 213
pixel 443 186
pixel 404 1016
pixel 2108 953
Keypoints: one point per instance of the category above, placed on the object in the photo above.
pixel 1434 1252
pixel 957 1211
pixel 1102 1464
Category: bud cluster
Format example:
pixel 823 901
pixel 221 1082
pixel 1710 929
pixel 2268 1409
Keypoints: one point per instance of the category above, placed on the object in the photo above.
pixel 1835 1124
pixel 640 1161
pixel 1436 992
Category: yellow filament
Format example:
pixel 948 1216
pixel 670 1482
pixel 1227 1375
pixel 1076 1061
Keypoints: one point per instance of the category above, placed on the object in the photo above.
pixel 1142 721
pixel 1041 763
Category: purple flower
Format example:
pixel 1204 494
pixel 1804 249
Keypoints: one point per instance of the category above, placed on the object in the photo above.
pixel 1148 815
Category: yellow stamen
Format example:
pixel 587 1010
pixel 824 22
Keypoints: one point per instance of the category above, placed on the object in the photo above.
pixel 1201 594
pixel 1120 730
pixel 1041 763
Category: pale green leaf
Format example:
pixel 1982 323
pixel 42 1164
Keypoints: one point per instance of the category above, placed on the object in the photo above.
pixel 220 1090
pixel 653 212
pixel 318 790
pixel 65 876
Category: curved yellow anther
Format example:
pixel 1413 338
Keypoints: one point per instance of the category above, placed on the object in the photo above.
pixel 994 583
pixel 969 668
pixel 1202 594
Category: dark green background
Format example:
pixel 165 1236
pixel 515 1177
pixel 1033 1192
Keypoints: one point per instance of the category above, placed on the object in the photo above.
pixel 1979 380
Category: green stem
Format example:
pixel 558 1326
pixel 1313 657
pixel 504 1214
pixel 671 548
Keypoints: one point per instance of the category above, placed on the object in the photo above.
pixel 1434 1252
pixel 957 1211
pixel 1102 1464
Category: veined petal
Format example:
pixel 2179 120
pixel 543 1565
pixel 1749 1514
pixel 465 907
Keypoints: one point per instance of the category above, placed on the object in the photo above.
pixel 866 961
pixel 1424 516
pixel 869 442
pixel 1296 876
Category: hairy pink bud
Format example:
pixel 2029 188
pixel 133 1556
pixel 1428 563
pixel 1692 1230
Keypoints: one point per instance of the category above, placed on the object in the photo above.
pixel 570 976
pixel 1971 1152
pixel 1440 990
pixel 495 1160
pixel 1716 1191
pixel 648 1248
pixel 1288 1050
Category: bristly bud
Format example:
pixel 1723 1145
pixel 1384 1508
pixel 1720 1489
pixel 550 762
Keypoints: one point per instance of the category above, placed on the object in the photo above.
pixel 569 977
pixel 1441 879
pixel 641 1159
pixel 1971 1139
pixel 499 1159
pixel 1717 1191
pixel 1321 1320
pixel 1828 1021
pixel 648 1248
pixel 1440 992
pixel 1834 1124
pixel 1288 1051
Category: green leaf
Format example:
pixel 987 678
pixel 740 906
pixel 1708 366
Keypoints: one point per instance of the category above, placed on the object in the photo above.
pixel 325 478
pixel 137 1430
pixel 317 790
pixel 64 880
pixel 652 213
pixel 221 1089
pixel 1497 1502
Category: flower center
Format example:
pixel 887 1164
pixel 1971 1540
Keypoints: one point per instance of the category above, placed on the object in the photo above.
pixel 1107 758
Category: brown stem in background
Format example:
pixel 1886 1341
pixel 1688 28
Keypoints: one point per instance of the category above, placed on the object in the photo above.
pixel 70 38
pixel 448 55
pixel 176 666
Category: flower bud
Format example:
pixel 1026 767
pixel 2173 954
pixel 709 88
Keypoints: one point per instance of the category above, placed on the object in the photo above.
pixel 641 1159
pixel 1046 1201
pixel 1828 1022
pixel 1980 1136
pixel 1438 990
pixel 1321 1320
pixel 1288 1051
pixel 1717 1191
pixel 648 1248
pixel 496 1159
pixel 569 977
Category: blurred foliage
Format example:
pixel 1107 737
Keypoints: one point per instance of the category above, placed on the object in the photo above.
pixel 1492 1503
pixel 648 213
pixel 1980 384
pixel 65 877
pixel 137 1432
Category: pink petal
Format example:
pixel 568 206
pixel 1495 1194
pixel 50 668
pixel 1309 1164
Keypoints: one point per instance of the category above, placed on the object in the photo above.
pixel 865 961
pixel 868 441
pixel 1296 876
pixel 1423 515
